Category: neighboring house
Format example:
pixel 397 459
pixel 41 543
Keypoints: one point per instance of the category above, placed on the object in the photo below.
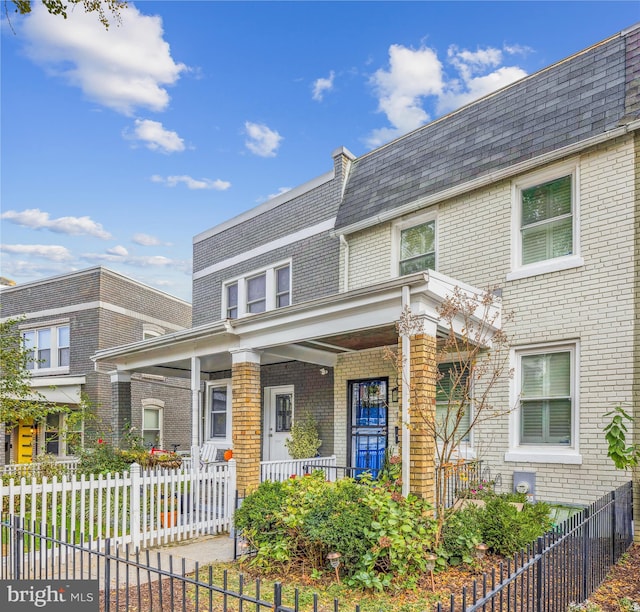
pixel 65 320
pixel 532 190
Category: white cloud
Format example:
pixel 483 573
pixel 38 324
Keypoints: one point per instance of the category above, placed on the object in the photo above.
pixel 146 240
pixel 416 78
pixel 191 183
pixel 322 85
pixel 262 140
pixel 155 136
pixel 118 250
pixel 140 261
pixel 52 252
pixel 474 88
pixel 37 219
pixel 280 191
pixel 124 68
pixel 412 75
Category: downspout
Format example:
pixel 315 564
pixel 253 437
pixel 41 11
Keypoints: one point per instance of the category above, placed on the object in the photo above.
pixel 405 372
pixel 345 276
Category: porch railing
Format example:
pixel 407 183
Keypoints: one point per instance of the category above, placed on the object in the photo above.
pixel 284 469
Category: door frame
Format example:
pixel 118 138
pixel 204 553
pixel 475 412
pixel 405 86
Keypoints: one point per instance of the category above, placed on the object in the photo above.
pixel 350 425
pixel 268 415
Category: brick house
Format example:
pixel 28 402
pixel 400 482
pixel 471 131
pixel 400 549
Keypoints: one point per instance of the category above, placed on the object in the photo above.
pixel 532 190
pixel 68 318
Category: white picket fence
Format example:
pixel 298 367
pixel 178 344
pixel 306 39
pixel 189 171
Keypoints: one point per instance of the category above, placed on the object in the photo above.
pixel 284 469
pixel 141 508
pixel 33 469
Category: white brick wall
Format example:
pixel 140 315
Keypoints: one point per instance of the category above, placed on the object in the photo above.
pixel 593 304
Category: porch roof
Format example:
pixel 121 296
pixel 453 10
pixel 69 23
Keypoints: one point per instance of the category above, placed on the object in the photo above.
pixel 315 331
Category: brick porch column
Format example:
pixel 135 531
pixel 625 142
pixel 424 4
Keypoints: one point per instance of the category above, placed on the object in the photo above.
pixel 422 410
pixel 246 418
pixel 120 404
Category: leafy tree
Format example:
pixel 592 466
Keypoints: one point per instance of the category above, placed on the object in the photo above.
pixel 58 7
pixel 18 400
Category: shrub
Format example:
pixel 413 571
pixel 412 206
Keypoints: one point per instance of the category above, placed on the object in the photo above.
pixel 506 530
pixel 102 459
pixel 304 441
pixel 460 535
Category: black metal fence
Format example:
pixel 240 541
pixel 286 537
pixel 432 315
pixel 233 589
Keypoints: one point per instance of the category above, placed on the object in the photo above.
pixel 564 566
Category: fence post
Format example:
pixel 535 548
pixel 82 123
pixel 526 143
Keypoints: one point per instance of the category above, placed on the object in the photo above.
pixel 539 573
pixel 107 574
pixel 586 554
pixel 277 596
pixel 613 527
pixel 134 515
pixel 231 494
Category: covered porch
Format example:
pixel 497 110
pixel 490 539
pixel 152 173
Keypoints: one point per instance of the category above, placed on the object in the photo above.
pixel 330 358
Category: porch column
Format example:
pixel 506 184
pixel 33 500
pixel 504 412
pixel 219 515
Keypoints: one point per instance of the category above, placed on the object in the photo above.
pixel 423 370
pixel 195 406
pixel 246 412
pixel 120 404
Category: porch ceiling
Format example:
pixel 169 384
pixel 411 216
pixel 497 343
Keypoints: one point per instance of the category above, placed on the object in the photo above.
pixel 314 332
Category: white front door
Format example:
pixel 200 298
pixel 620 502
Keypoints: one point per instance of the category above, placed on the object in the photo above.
pixel 278 417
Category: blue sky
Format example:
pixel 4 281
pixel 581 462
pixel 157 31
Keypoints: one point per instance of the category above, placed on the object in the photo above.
pixel 118 146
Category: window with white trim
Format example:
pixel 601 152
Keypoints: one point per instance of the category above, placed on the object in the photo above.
pixel 453 401
pixel 545 222
pixel 149 330
pixel 152 422
pixel 546 389
pixel 48 348
pixel 418 248
pixel 257 291
pixel 218 418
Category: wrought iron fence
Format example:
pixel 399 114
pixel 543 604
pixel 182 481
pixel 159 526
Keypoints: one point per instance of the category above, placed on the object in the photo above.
pixel 564 566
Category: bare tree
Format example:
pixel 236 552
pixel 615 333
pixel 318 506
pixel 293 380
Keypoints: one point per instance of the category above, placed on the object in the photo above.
pixel 472 359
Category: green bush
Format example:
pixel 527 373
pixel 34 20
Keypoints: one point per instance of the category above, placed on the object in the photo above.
pixel 381 536
pixel 460 535
pixel 506 530
pixel 102 459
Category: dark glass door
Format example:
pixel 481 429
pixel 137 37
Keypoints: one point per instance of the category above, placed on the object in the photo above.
pixel 368 403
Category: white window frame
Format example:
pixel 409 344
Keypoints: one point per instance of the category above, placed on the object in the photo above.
pixel 154 404
pixel 270 288
pixel 544 453
pixel 53 327
pixel 518 270
pixel 396 237
pixel 149 330
pixel 227 440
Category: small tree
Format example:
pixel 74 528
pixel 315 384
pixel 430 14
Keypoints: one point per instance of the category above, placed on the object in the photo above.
pixel 475 351
pixel 18 400
pixel 304 441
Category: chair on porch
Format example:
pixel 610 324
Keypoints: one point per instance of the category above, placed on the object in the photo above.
pixel 211 453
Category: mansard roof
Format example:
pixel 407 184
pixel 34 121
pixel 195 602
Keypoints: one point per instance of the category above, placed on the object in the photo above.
pixel 586 95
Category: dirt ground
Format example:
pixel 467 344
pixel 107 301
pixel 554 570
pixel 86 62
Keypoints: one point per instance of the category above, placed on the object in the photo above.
pixel 622 581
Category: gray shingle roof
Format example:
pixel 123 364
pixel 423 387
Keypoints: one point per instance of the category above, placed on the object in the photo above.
pixel 572 100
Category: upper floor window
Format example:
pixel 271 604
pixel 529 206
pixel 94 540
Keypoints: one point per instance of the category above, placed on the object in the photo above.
pixel 48 347
pixel 257 292
pixel 151 331
pixel 545 222
pixel 414 245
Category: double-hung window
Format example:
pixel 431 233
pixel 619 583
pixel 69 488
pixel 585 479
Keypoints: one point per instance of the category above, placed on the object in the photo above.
pixel 544 424
pixel 545 222
pixel 48 347
pixel 546 398
pixel 152 423
pixel 418 248
pixel 453 402
pixel 257 291
pixel 218 416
